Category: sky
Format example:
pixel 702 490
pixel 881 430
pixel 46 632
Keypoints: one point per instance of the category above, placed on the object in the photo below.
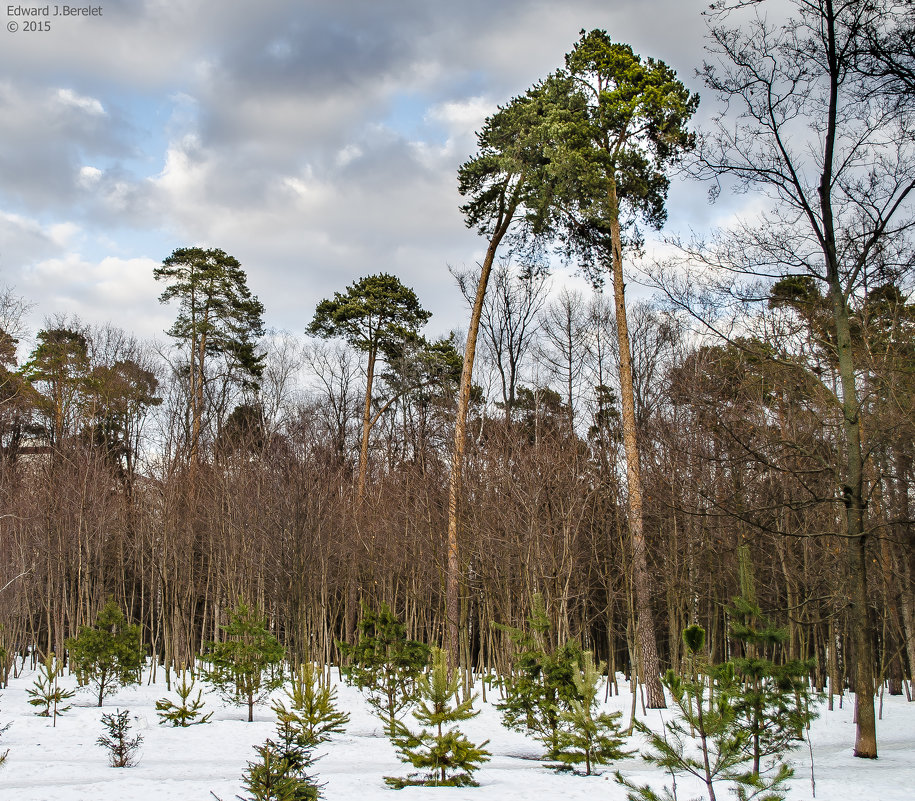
pixel 317 141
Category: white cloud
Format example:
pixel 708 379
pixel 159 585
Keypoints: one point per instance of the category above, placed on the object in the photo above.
pixel 62 234
pixel 68 97
pixel 347 154
pixel 22 239
pixel 89 176
pixel 122 291
pixel 461 116
pixel 273 135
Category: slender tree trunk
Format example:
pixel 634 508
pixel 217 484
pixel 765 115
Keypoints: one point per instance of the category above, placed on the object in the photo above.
pixel 901 530
pixel 853 498
pixel 645 631
pixel 366 426
pixel 703 737
pixel 453 566
pixel 853 487
pixel 197 378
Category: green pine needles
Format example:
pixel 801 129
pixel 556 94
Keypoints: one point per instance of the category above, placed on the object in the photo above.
pixel 774 707
pixel 187 713
pixel 46 693
pixel 312 706
pixel 709 738
pixel 586 736
pixel 248 664
pixel 541 686
pixel 122 748
pixel 107 654
pixel 281 772
pixel 444 755
pixel 384 664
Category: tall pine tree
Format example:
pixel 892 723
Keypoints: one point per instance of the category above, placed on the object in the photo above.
pixel 218 318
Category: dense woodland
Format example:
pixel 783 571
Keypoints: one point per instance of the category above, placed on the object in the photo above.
pixel 232 463
pixel 100 500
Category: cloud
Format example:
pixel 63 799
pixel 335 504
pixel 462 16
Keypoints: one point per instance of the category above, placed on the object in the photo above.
pixel 22 238
pixel 47 135
pixel 90 105
pixel 113 289
pixel 317 141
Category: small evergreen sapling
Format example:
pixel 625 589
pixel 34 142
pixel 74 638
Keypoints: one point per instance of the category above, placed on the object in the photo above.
pixel 706 740
pixel 280 773
pixel 774 704
pixel 312 707
pixel 107 654
pixel 584 736
pixel 122 749
pixel 541 686
pixel 189 711
pixel 446 755
pixel 247 666
pixel 384 664
pixel 47 694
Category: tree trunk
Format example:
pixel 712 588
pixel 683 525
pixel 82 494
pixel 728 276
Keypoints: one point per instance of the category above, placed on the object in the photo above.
pixel 907 545
pixel 197 377
pixel 366 426
pixel 853 498
pixel 453 567
pixel 853 487
pixel 645 631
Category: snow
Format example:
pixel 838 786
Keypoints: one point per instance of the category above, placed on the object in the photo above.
pixel 175 764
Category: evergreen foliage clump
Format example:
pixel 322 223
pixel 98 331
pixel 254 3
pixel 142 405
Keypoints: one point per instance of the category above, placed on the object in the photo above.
pixel 187 713
pixel 46 694
pixel 706 740
pixel 773 707
pixel 384 664
pixel 312 707
pixel 448 758
pixel 541 687
pixel 280 773
pixel 122 748
pixel 247 665
pixel 107 654
pixel 586 737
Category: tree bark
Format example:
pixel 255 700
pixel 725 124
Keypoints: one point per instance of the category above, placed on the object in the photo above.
pixel 645 630
pixel 453 565
pixel 853 487
pixel 853 498
pixel 366 426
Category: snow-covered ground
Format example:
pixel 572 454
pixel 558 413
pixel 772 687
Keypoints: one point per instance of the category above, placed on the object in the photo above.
pixel 65 764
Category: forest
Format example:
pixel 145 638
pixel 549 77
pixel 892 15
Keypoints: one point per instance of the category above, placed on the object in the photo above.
pixel 627 468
